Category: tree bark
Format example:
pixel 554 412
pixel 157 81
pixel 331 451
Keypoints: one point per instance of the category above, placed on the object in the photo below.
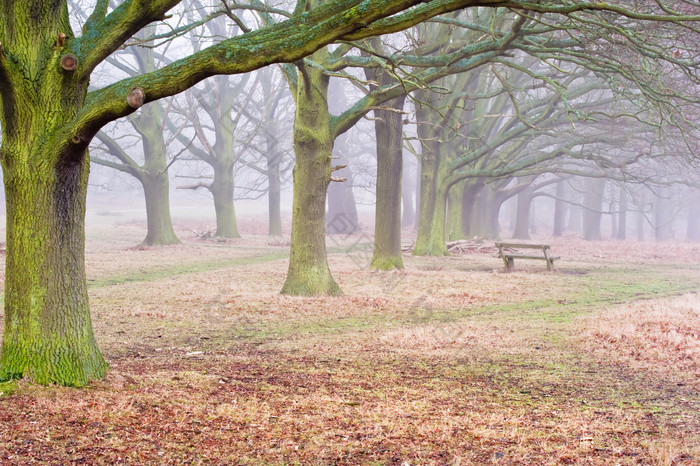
pixel 156 190
pixel 222 187
pixel 433 201
pixel 222 190
pixel 453 213
pixel 430 240
pixel 48 331
pixel 153 176
pixel 308 272
pixel 388 129
pixel 48 334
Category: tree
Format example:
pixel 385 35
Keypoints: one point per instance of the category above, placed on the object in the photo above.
pixel 149 123
pixel 49 117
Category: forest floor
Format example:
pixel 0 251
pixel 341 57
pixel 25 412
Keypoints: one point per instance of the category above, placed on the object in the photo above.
pixel 451 361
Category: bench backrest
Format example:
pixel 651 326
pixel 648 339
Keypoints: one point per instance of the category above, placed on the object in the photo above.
pixel 522 245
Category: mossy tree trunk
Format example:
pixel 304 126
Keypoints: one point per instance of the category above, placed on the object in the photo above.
pixel 156 188
pixel 224 159
pixel 453 215
pixel 431 224
pixel 388 128
pixel 153 174
pixel 388 131
pixel 154 177
pixel 222 190
pixel 433 191
pixel 308 272
pixel 48 332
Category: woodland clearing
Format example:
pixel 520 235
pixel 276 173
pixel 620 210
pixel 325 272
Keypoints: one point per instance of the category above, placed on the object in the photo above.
pixel 451 361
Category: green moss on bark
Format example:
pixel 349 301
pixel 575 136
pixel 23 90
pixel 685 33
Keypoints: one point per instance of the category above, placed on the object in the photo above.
pixel 308 272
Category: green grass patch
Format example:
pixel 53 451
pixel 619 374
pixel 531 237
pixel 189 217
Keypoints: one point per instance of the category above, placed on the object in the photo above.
pixel 161 272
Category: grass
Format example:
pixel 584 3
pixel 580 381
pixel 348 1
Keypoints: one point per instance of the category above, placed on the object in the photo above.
pixel 459 363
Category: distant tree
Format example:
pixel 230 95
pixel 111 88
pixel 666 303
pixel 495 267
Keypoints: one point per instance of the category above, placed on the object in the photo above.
pixel 149 123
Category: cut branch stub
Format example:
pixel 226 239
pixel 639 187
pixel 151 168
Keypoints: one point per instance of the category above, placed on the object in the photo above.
pixel 69 62
pixel 136 97
pixel 61 40
pixel 338 180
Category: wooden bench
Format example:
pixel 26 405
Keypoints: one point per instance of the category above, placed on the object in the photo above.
pixel 509 258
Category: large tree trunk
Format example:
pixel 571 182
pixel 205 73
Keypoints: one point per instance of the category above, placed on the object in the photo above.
pixel 156 189
pixel 433 199
pixel 453 219
pixel 388 128
pixel 433 192
pixel 308 272
pixel 154 177
pixel 48 334
pixel 222 191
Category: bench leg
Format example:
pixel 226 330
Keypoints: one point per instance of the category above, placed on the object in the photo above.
pixel 510 262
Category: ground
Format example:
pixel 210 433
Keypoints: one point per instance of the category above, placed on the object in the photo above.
pixel 452 361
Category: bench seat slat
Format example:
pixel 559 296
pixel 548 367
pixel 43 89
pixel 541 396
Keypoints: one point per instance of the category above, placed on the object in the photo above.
pixel 524 256
pixel 518 245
